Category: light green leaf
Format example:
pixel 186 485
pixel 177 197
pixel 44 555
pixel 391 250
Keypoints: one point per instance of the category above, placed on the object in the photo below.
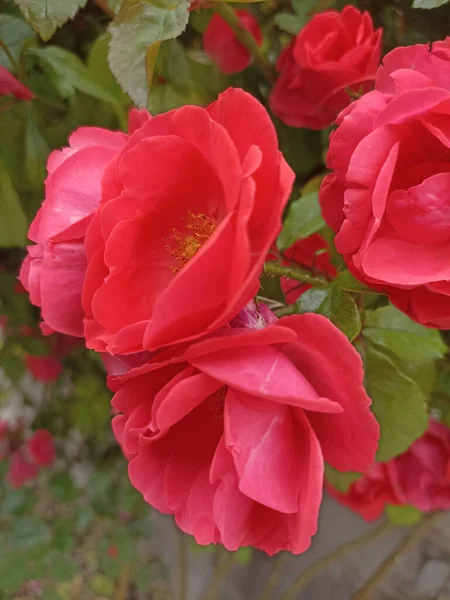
pixel 311 300
pixel 99 71
pixel 68 74
pixel 403 516
pixel 13 222
pixel 397 403
pixel 411 342
pixel 45 16
pixel 13 33
pixel 304 218
pixel 140 25
pixel 427 4
pixel 340 481
pixel 28 532
pixel 346 281
pixel 288 22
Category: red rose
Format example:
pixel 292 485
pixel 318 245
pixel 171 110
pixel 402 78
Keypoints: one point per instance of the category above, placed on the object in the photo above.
pixel 21 470
pixel 223 47
pixel 423 471
pixel 41 448
pixel 333 52
pixel 165 231
pixel 10 85
pixel 388 197
pixel 419 477
pixel 44 368
pixel 369 495
pixel 230 433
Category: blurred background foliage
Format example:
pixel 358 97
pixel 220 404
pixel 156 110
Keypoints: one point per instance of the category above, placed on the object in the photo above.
pixel 80 530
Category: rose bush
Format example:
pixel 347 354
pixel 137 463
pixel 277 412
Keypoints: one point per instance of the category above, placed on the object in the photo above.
pixel 419 477
pixel 131 225
pixel 387 198
pixel 223 47
pixel 230 433
pixel 335 52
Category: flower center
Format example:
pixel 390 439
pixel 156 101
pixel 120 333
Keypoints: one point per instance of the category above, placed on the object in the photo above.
pixel 184 245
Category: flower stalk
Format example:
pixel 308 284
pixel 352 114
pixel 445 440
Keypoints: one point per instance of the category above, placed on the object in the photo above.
pixel 278 270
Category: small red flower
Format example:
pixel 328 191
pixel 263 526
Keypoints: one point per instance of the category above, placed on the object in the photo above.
pixel 44 368
pixel 223 47
pixel 42 448
pixel 10 85
pixel 333 52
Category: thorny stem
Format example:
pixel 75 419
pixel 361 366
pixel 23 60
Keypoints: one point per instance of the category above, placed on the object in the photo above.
pixel 396 556
pixel 246 38
pixel 293 273
pixel 341 552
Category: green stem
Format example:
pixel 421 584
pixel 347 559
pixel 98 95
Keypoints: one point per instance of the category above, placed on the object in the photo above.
pixel 246 38
pixel 341 552
pixel 275 575
pixel 278 270
pixel 6 50
pixel 182 565
pixel 396 556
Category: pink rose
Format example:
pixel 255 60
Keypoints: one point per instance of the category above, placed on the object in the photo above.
pixel 162 233
pixel 230 433
pixel 223 47
pixel 388 198
pixel 10 85
pixel 419 477
pixel 333 52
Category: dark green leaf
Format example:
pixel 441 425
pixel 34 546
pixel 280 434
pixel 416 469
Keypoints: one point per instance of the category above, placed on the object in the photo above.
pixel 397 403
pixel 36 151
pixel 45 16
pixel 429 3
pixel 304 218
pixel 13 33
pixel 27 533
pixel 68 73
pixel 13 222
pixel 340 481
pixel 311 300
pixel 138 28
pixel 99 71
pixel 391 329
pixel 288 22
pixel 404 516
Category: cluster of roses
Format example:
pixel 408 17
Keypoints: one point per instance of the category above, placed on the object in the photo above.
pixel 150 246
pixel 27 455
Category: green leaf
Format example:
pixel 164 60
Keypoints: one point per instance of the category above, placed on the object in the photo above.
pixel 13 33
pixel 311 300
pixel 304 218
pixel 403 516
pixel 244 555
pixel 28 532
pixel 346 281
pixel 13 222
pixel 140 25
pixel 99 71
pixel 68 73
pixel 288 22
pixel 427 4
pixel 398 404
pixel 36 151
pixel 45 16
pixel 340 481
pixel 393 330
pixel 340 307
